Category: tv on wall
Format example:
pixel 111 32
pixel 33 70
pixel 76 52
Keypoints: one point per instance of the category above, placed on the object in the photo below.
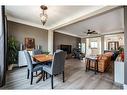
pixel 66 48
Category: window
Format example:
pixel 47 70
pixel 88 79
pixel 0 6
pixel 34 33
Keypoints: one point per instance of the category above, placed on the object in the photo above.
pixel 93 44
pixel 79 45
pixel 83 48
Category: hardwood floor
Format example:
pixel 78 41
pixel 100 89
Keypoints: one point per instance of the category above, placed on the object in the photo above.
pixel 75 78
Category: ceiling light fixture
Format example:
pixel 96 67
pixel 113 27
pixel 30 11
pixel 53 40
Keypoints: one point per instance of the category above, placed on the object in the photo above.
pixel 43 15
pixel 120 38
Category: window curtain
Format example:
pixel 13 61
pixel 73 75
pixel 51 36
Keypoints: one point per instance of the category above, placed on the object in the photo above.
pixel 2 46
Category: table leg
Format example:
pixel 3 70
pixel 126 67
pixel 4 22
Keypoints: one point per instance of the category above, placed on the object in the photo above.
pixel 37 75
pixel 95 67
pixel 40 77
pixel 86 64
pixel 89 64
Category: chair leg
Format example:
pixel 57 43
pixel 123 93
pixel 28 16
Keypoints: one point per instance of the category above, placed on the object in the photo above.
pixel 63 76
pixel 52 81
pixel 28 73
pixel 36 72
pixel 31 78
pixel 46 75
pixel 43 75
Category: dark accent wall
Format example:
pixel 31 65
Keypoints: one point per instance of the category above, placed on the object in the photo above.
pixel 64 39
pixel 125 42
pixel 20 31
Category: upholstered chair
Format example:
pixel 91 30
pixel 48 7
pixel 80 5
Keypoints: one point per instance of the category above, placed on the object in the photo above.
pixel 31 67
pixel 57 66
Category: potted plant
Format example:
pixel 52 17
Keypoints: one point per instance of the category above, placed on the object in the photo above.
pixel 120 49
pixel 46 52
pixel 12 52
pixel 121 52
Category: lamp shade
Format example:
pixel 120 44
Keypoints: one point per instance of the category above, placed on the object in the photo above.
pixel 44 18
pixel 43 15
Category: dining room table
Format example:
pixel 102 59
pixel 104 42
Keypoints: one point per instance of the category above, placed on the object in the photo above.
pixel 42 59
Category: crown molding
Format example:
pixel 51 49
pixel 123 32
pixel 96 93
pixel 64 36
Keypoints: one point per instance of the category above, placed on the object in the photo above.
pixel 97 11
pixel 113 32
pixel 83 17
pixel 25 22
pixel 70 34
pixel 64 22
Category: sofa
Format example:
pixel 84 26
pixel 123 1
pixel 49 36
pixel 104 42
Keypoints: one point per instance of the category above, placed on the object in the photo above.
pixel 103 61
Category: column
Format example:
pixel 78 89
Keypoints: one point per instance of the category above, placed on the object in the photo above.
pixel 50 41
pixel 83 40
pixel 102 44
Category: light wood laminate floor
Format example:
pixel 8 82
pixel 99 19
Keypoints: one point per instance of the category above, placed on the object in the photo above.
pixel 75 78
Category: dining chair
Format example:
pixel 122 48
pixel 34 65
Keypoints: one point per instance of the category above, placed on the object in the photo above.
pixel 57 66
pixel 31 67
pixel 58 50
pixel 37 51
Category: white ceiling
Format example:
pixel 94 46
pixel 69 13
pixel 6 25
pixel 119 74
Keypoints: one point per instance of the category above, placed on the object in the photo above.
pixel 110 22
pixel 62 16
pixel 56 14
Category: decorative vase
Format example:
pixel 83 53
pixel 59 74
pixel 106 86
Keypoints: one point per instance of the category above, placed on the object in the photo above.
pixel 21 46
pixel 10 67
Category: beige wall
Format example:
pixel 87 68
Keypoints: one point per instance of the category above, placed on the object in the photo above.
pixel 50 41
pixel 83 40
pixel 20 31
pixel 60 38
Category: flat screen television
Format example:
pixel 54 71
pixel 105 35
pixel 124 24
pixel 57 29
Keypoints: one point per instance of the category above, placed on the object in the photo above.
pixel 66 48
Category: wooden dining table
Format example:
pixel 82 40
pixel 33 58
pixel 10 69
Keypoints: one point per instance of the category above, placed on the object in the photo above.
pixel 42 59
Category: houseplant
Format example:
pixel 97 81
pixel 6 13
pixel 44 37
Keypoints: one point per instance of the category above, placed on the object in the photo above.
pixel 121 52
pixel 12 52
pixel 46 52
pixel 121 49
